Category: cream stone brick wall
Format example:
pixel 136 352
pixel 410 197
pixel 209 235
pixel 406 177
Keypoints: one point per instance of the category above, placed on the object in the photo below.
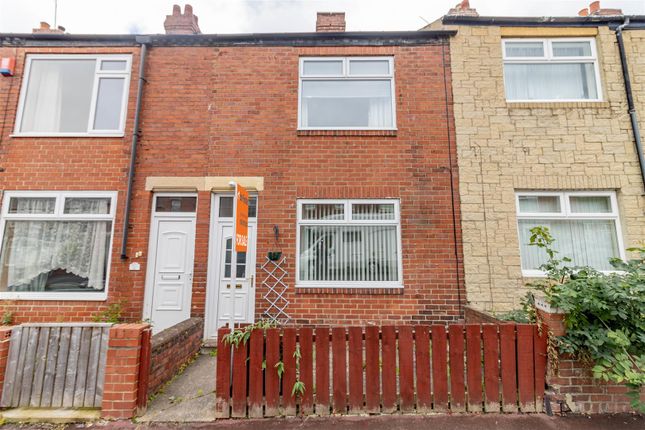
pixel 504 147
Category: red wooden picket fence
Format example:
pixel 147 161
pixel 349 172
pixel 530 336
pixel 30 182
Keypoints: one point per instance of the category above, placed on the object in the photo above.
pixel 458 368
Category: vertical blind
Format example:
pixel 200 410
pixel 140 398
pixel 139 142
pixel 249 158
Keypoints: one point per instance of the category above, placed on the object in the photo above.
pixel 587 242
pixel 346 249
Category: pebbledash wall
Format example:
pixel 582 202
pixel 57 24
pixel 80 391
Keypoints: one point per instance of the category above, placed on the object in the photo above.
pixel 219 109
pixel 504 147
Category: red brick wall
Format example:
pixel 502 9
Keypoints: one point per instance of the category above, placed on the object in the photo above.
pixel 97 164
pixel 232 111
pixel 475 316
pixel 171 349
pixel 122 373
pixel 576 386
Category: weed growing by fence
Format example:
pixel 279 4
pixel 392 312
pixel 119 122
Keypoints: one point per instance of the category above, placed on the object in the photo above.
pixel 113 314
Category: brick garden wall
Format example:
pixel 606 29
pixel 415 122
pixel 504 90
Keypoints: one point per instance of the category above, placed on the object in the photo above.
pixel 232 111
pixel 575 385
pixel 171 349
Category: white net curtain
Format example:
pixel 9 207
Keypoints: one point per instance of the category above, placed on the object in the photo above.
pixel 33 252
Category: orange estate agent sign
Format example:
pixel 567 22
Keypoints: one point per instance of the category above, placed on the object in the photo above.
pixel 241 219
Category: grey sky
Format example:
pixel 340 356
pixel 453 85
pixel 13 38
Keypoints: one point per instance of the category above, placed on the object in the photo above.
pixel 248 16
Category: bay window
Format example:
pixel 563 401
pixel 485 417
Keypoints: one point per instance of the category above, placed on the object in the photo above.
pixel 551 70
pixel 351 93
pixel 349 243
pixel 585 226
pixel 73 95
pixel 56 245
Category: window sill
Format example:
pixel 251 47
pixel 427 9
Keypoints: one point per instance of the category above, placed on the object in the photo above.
pixel 67 297
pixel 391 133
pixel 558 104
pixel 65 135
pixel 329 290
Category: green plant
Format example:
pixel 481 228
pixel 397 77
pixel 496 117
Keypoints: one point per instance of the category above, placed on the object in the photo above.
pixel 298 386
pixel 604 313
pixel 7 318
pixel 279 367
pixel 242 335
pixel 113 314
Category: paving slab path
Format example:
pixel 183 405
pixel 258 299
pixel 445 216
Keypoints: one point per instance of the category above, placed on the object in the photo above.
pixel 190 397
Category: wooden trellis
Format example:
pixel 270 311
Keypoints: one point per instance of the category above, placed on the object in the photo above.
pixel 276 287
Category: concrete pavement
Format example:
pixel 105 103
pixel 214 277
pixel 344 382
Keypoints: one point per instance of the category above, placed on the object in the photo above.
pixel 190 397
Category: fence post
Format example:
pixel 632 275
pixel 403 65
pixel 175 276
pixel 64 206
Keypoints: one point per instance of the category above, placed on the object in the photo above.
pixel 120 389
pixel 540 351
pixel 5 336
pixel 144 369
pixel 223 376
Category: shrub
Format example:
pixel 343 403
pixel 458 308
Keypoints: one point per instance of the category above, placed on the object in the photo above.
pixel 604 313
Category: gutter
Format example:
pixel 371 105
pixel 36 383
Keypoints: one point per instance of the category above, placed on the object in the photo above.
pixel 546 21
pixel 359 38
pixel 631 109
pixel 144 41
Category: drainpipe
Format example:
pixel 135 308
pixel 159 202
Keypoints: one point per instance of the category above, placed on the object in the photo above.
pixel 630 98
pixel 135 139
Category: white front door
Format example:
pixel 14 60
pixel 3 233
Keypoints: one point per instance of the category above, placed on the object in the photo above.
pixel 244 280
pixel 170 272
pixel 221 289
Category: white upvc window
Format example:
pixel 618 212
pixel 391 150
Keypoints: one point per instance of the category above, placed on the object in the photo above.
pixel 349 244
pixel 56 245
pixel 551 70
pixel 346 93
pixel 74 95
pixel 585 225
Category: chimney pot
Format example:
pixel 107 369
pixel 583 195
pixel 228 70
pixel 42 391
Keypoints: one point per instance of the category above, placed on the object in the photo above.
pixel 179 23
pixel 596 10
pixel 46 28
pixel 330 22
pixel 463 9
pixel 594 6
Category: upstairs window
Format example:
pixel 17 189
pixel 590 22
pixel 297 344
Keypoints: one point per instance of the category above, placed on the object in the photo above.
pixel 349 243
pixel 352 93
pixel 551 70
pixel 74 95
pixel 585 226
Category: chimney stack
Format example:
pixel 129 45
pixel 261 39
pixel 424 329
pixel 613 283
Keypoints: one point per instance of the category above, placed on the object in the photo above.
pixel 46 28
pixel 595 10
pixel 179 23
pixel 330 22
pixel 463 9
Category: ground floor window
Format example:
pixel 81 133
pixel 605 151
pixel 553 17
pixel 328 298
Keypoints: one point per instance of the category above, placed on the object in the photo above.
pixel 349 243
pixel 585 225
pixel 56 242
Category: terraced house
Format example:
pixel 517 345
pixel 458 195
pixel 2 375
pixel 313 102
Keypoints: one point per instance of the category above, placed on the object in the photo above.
pixel 547 127
pixel 117 152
